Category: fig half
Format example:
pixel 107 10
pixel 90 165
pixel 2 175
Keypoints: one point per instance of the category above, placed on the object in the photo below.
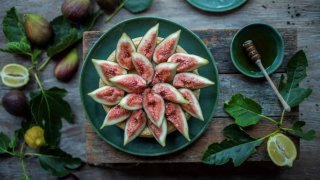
pixel 187 62
pixel 125 48
pixel 148 43
pixel 191 81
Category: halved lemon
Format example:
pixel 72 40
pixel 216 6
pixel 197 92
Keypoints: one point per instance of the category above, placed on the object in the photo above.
pixel 14 75
pixel 281 150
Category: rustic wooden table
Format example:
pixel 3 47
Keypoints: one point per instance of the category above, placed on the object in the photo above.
pixel 303 15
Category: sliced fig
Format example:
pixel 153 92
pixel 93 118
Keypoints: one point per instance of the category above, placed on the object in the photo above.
pixel 159 133
pixel 166 48
pixel 131 83
pixel 107 95
pixel 125 48
pixel 134 126
pixel 107 69
pixel 143 66
pixel 193 108
pixel 169 93
pixel 187 62
pixel 164 72
pixel 148 43
pixel 153 105
pixel 115 115
pixel 176 116
pixel 191 81
pixel 131 102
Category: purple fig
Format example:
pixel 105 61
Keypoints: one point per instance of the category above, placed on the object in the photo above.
pixel 108 6
pixel 76 10
pixel 67 67
pixel 16 103
pixel 38 29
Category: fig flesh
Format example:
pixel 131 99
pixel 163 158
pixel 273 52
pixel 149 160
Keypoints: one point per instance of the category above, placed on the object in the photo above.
pixel 191 81
pixel 115 115
pixel 125 48
pixel 107 95
pixel 166 48
pixel 187 62
pixel 193 108
pixel 148 43
pixel 169 93
pixel 131 83
pixel 159 133
pixel 131 102
pixel 154 106
pixel 134 126
pixel 164 73
pixel 107 69
pixel 176 116
pixel 143 66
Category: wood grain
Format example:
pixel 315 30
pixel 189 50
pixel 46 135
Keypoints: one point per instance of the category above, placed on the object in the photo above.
pixel 302 15
pixel 100 153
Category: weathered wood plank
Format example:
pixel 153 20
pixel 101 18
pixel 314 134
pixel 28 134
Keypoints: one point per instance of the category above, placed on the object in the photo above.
pixel 100 153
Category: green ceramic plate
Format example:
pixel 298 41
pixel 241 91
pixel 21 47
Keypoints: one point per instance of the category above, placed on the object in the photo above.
pixel 216 5
pixel 89 82
pixel 268 42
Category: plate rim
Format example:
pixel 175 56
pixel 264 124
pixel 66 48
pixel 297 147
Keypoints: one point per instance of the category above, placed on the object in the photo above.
pixel 217 10
pixel 205 127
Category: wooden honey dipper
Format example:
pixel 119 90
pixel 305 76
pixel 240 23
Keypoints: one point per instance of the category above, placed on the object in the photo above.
pixel 255 57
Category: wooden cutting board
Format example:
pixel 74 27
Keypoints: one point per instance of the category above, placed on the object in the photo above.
pixel 218 41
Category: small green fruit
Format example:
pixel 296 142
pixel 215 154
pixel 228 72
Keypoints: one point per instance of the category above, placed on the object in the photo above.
pixel 38 29
pixel 34 137
pixel 67 67
pixel 76 10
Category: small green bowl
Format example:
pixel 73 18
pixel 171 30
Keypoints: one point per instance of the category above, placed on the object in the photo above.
pixel 269 44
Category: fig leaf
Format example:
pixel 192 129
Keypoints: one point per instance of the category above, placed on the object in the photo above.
pixel 48 108
pixel 4 143
pixel 297 131
pixel 245 111
pixel 14 32
pixel 296 72
pixel 57 161
pixel 66 34
pixel 238 147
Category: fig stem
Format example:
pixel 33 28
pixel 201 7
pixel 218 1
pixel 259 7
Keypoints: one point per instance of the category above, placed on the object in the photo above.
pixel 43 66
pixel 115 12
pixel 282 116
pixel 22 160
pixel 270 119
pixel 268 135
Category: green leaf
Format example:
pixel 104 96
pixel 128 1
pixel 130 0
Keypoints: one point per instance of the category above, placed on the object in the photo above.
pixel 57 162
pixel 137 6
pixel 13 28
pixel 297 131
pixel 48 108
pixel 67 34
pixel 15 33
pixel 239 147
pixel 296 72
pixel 244 110
pixel 4 143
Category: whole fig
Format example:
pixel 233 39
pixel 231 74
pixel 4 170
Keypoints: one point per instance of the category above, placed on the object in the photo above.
pixel 108 5
pixel 16 103
pixel 76 10
pixel 37 28
pixel 67 67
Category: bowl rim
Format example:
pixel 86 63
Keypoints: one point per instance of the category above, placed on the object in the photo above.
pixel 278 60
pixel 217 10
pixel 205 127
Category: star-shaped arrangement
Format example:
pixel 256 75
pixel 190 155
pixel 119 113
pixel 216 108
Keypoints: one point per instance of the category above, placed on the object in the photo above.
pixel 150 86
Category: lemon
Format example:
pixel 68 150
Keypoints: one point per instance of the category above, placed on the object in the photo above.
pixel 34 137
pixel 281 150
pixel 14 75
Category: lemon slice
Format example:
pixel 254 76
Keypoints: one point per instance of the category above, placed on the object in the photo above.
pixel 281 150
pixel 14 75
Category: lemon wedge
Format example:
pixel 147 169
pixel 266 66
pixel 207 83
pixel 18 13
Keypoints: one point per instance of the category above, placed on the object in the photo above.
pixel 281 150
pixel 14 75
